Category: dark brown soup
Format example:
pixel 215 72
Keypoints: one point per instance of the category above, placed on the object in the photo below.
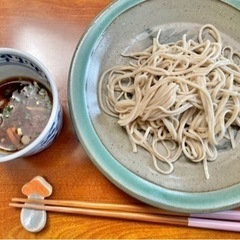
pixel 25 107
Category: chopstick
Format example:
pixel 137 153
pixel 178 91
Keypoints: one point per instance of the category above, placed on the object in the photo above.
pixel 224 215
pixel 135 212
pixel 104 206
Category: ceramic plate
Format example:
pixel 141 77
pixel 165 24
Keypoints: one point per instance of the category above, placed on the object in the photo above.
pixel 128 26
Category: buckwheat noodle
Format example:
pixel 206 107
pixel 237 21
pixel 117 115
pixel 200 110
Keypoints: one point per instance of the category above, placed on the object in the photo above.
pixel 176 99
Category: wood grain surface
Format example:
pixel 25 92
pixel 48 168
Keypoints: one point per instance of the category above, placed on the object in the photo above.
pixel 50 30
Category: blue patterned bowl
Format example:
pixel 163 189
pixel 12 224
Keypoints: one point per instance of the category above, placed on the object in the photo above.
pixel 17 63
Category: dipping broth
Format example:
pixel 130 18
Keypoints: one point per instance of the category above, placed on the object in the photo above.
pixel 25 108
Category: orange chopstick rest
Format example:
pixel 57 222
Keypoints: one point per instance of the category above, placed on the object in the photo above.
pixel 37 188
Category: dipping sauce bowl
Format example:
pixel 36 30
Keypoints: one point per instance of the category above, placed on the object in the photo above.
pixel 30 110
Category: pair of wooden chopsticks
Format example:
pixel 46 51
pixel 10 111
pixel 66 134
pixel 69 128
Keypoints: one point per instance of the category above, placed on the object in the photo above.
pixel 225 220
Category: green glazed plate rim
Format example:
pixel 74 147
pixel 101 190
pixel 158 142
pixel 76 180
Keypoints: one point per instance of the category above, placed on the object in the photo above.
pixel 129 182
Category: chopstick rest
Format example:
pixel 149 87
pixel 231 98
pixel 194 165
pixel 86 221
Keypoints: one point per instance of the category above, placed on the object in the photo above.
pixel 35 220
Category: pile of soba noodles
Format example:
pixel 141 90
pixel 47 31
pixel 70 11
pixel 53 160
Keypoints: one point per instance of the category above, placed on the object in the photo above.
pixel 182 97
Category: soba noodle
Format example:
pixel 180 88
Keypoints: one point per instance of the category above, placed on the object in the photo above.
pixel 176 99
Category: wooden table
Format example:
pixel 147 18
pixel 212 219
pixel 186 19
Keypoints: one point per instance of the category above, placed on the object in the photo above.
pixel 50 30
